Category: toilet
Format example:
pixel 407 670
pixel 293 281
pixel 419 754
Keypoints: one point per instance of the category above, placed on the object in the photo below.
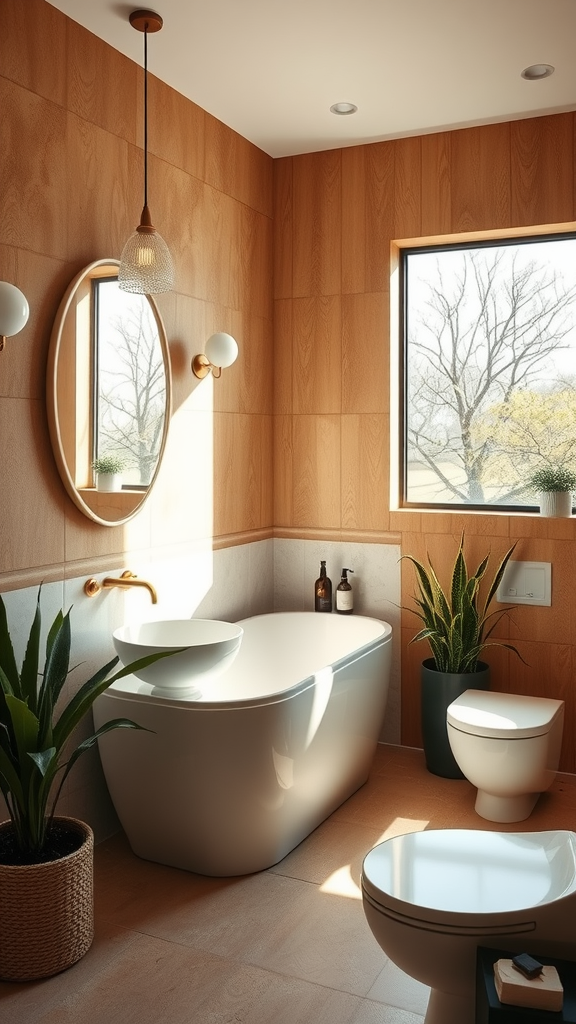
pixel 508 746
pixel 431 898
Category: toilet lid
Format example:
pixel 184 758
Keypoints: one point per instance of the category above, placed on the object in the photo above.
pixel 463 871
pixel 502 715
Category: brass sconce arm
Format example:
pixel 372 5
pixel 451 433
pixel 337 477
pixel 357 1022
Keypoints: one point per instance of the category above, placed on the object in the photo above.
pixel 127 579
pixel 221 351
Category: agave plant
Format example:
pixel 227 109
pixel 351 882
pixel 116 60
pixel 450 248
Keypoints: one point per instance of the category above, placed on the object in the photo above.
pixel 34 750
pixel 456 628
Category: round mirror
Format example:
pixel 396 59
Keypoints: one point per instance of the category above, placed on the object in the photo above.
pixel 108 394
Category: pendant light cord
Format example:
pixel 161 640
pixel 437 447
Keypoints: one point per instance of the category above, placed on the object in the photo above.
pixel 146 115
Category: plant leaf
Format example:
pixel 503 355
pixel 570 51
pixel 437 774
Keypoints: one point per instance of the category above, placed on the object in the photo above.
pixel 7 659
pixel 29 674
pixel 87 694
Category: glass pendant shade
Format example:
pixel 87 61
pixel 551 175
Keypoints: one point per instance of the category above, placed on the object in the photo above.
pixel 146 266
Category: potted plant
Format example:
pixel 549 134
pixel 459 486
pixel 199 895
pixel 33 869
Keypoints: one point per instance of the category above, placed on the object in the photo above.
pixel 458 630
pixel 46 904
pixel 554 486
pixel 108 470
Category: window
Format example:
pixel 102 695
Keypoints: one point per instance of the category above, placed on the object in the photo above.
pixel 129 382
pixel 489 370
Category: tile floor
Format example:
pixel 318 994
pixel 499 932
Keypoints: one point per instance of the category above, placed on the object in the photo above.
pixel 289 945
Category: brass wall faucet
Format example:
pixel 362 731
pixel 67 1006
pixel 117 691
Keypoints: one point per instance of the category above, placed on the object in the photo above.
pixel 127 579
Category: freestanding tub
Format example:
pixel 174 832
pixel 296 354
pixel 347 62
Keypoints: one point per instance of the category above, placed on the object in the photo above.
pixel 228 782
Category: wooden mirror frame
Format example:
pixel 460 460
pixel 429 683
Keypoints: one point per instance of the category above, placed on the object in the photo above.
pixel 121 505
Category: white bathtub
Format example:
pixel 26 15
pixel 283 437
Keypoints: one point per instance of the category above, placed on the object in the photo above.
pixel 231 781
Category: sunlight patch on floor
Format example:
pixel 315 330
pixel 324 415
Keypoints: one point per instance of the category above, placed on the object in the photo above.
pixel 400 826
pixel 341 883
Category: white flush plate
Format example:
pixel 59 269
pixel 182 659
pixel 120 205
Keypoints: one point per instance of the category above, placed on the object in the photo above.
pixel 526 583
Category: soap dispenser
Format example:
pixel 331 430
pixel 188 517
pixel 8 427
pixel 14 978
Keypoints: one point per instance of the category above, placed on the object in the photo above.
pixel 323 591
pixel 344 595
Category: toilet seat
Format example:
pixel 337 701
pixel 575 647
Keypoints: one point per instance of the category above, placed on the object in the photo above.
pixel 502 715
pixel 463 878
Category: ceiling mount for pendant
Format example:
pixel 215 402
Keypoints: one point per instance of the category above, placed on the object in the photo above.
pixel 146 264
pixel 146 21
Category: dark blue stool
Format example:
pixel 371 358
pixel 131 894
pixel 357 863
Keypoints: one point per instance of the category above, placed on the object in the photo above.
pixel 489 1009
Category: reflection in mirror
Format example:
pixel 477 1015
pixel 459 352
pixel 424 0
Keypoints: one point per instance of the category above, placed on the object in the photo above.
pixel 108 393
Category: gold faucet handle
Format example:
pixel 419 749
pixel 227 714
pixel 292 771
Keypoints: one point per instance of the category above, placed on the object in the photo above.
pixel 127 575
pixel 92 587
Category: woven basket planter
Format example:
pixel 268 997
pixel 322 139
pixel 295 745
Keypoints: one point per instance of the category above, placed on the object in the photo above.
pixel 47 911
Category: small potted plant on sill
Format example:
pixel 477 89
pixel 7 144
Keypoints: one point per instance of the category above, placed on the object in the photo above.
pixel 457 629
pixel 46 862
pixel 554 486
pixel 108 470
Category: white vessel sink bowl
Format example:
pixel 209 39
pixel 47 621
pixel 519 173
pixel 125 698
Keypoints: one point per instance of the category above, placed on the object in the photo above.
pixel 210 647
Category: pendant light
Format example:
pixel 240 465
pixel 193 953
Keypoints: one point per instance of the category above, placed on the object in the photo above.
pixel 146 264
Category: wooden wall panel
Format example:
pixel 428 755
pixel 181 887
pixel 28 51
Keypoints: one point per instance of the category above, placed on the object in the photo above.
pixel 283 456
pixel 235 166
pixel 480 177
pixel 283 190
pixel 316 231
pixel 242 473
pixel 316 347
pixel 27 28
pixel 316 481
pixel 94 75
pixel 107 208
pixel 436 182
pixel 177 129
pixel 283 356
pixel 407 191
pixel 26 465
pixel 35 203
pixel 365 472
pixel 367 217
pixel 365 366
pixel 542 169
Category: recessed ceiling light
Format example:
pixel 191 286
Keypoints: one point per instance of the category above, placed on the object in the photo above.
pixel 343 108
pixel 537 71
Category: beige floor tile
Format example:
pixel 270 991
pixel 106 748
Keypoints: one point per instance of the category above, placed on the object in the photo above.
pixel 159 982
pixel 375 1013
pixel 286 946
pixel 27 1003
pixel 395 988
pixel 275 922
pixel 333 852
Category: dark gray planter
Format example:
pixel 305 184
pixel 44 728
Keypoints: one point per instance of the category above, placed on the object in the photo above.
pixel 438 690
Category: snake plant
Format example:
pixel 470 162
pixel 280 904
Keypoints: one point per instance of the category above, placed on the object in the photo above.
pixel 34 740
pixel 456 626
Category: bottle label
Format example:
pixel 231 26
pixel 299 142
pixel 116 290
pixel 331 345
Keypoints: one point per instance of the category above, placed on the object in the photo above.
pixel 344 600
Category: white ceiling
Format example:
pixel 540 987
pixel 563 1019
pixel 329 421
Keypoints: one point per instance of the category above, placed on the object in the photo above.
pixel 270 69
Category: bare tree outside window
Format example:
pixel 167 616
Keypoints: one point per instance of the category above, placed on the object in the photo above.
pixel 131 382
pixel 490 370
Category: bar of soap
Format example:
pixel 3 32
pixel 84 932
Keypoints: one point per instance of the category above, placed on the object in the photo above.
pixel 542 993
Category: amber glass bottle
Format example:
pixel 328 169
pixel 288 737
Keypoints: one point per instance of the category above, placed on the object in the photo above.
pixel 344 595
pixel 323 591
